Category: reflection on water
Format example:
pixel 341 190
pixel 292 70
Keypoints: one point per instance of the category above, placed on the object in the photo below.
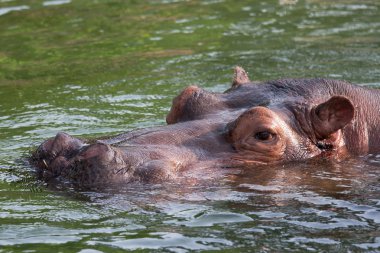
pixel 169 241
pixel 94 68
pixel 55 2
pixel 245 208
pixel 318 205
pixel 5 10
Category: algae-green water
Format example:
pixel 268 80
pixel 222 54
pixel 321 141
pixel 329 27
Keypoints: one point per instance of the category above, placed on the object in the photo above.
pixel 93 68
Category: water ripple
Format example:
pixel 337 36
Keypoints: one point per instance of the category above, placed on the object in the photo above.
pixel 160 240
pixel 5 10
pixel 56 2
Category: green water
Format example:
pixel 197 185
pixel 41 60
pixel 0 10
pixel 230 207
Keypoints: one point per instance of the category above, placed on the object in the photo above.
pixel 93 68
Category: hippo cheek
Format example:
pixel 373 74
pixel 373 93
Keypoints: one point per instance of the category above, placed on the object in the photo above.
pixel 259 153
pixel 156 171
pixel 99 164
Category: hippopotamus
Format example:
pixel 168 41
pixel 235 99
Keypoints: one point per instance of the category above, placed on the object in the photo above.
pixel 250 124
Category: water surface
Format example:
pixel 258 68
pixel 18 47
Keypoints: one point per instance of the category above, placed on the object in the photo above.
pixel 94 68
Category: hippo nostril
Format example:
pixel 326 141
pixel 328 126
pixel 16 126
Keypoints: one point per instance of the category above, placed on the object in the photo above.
pixel 65 145
pixel 44 149
pixel 53 155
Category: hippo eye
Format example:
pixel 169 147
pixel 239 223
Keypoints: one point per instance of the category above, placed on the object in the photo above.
pixel 264 136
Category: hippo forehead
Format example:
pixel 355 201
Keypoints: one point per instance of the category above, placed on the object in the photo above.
pixel 195 103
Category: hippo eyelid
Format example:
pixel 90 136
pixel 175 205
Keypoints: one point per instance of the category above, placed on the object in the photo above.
pixel 264 135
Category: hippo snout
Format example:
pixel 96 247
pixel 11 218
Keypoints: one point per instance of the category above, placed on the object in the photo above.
pixel 70 159
pixel 61 145
pixel 53 156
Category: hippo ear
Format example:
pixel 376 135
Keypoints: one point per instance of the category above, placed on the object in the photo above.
pixel 332 115
pixel 240 77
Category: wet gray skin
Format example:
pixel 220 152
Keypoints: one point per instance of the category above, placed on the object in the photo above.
pixel 251 124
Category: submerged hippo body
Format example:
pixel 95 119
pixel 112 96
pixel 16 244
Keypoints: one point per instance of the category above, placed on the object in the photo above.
pixel 250 124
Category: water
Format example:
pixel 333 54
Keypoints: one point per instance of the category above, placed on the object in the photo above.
pixel 94 68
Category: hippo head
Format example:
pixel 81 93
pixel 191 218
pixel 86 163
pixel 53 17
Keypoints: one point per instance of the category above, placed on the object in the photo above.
pixel 249 124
